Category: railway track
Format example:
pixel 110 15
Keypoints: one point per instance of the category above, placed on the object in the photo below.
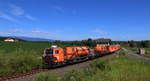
pixel 36 71
pixel 22 74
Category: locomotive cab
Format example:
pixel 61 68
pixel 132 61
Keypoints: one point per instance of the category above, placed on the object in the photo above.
pixel 53 55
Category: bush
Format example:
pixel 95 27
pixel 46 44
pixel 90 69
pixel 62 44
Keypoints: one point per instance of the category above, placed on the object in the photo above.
pixel 74 75
pixel 101 65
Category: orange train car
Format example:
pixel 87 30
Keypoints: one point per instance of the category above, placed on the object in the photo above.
pixel 113 48
pixel 101 49
pixel 75 52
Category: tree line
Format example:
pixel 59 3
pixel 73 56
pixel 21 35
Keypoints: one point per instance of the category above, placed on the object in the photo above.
pixel 89 42
pixel 132 43
pixel 142 44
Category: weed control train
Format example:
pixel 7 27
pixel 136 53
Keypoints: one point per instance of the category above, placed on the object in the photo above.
pixel 57 56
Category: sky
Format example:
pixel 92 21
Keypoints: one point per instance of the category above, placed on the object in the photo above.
pixel 76 19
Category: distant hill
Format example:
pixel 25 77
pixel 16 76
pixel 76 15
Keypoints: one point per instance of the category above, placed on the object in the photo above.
pixel 27 39
pixel 35 39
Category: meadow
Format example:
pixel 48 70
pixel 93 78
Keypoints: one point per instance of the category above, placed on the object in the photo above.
pixel 18 57
pixel 119 68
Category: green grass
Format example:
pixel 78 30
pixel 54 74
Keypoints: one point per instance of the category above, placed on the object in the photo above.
pixel 16 57
pixel 147 52
pixel 119 68
pixel 38 47
pixel 135 49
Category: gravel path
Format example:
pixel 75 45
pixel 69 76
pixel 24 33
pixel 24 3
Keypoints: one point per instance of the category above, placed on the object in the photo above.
pixel 131 53
pixel 62 70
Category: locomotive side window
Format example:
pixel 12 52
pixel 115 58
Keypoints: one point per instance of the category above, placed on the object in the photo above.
pixel 56 52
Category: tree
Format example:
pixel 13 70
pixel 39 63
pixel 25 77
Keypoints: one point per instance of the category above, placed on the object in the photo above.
pixel 89 42
pixel 132 43
pixel 145 44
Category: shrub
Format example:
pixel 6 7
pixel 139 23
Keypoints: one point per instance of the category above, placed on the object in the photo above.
pixel 74 75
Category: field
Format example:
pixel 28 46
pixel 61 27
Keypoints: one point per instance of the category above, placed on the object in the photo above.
pixel 20 56
pixel 120 68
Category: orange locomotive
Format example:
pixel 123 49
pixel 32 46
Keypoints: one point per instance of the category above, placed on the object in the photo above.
pixel 59 56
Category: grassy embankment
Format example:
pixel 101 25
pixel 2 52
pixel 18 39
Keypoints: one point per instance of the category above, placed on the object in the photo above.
pixel 120 68
pixel 18 57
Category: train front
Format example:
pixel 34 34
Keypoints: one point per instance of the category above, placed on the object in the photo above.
pixel 53 56
pixel 48 57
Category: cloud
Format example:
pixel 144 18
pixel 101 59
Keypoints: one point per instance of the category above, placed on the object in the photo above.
pixel 29 17
pixel 16 10
pixel 12 31
pixel 36 32
pixel 44 34
pixel 99 32
pixel 7 17
pixel 58 8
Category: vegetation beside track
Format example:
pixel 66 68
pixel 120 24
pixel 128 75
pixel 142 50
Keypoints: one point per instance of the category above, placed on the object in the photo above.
pixel 23 56
pixel 18 57
pixel 119 68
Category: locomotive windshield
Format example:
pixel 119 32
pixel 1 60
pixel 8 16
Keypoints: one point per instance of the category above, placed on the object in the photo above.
pixel 49 51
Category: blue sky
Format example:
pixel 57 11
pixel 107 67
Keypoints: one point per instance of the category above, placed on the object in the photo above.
pixel 76 19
